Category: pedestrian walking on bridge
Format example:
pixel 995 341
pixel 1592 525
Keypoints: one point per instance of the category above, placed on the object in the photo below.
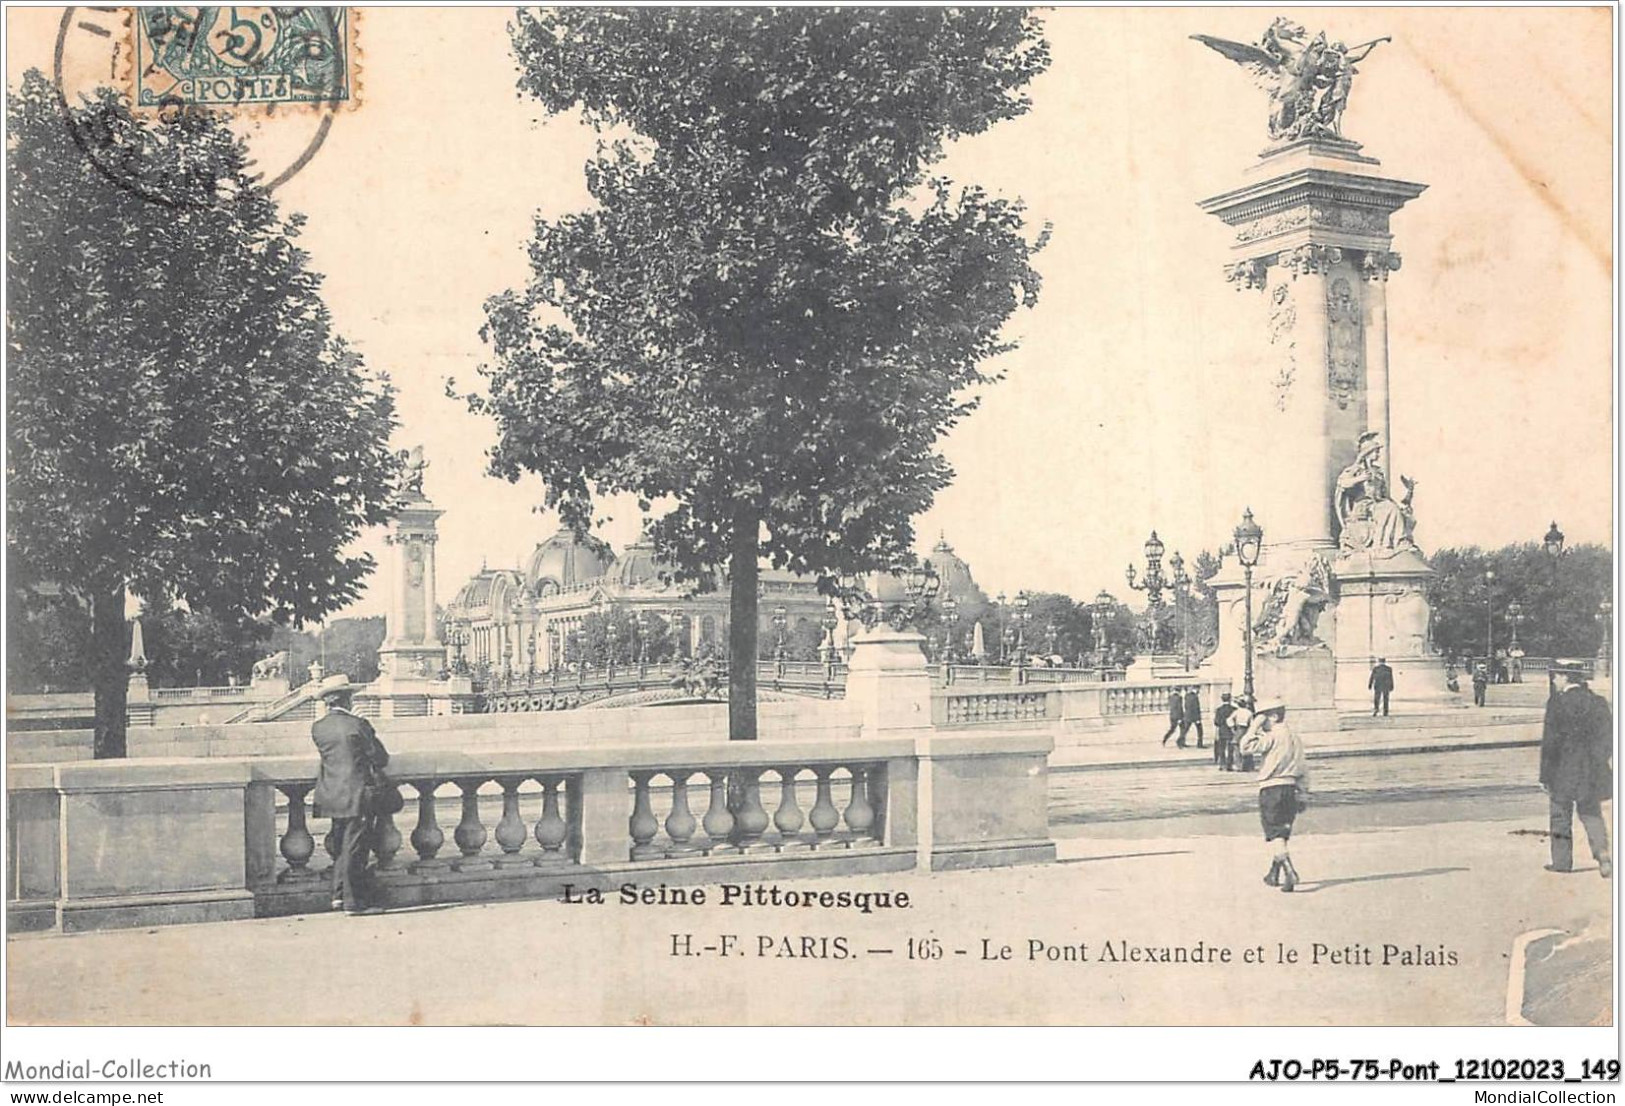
pixel 1223 740
pixel 1176 718
pixel 1193 717
pixel 1283 785
pixel 1381 684
pixel 1576 748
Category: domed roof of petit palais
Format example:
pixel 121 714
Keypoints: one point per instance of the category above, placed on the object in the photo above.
pixel 476 595
pixel 638 564
pixel 953 574
pixel 567 559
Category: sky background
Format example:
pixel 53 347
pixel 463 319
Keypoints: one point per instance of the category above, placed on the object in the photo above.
pixel 1111 419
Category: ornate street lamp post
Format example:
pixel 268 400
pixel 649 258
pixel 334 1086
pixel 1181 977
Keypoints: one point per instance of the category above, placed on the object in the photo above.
pixel 1023 601
pixel 1097 623
pixel 1152 585
pixel 1181 589
pixel 1553 543
pixel 781 619
pixel 1249 543
pixel 641 624
pixel 1489 623
pixel 611 634
pixel 680 635
pixel 1049 638
pixel 459 638
pixel 950 619
pixel 1514 659
pixel 830 650
pixel 1004 630
pixel 530 649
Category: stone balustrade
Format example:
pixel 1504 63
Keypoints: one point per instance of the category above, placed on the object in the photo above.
pixel 993 707
pixel 141 842
pixel 1064 707
pixel 1127 700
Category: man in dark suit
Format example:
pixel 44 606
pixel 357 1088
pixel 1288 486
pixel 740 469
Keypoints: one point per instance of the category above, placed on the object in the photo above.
pixel 1223 741
pixel 1575 749
pixel 1176 718
pixel 1381 684
pixel 350 752
pixel 1193 717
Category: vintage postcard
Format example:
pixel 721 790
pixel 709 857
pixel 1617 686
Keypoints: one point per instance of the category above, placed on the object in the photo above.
pixel 813 516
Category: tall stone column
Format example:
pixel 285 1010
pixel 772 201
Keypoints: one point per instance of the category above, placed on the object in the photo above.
pixel 412 650
pixel 1311 254
pixel 1311 259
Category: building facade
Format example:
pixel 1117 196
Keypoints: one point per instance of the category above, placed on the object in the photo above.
pixel 503 618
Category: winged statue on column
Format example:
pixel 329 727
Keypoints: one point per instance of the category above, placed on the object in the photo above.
pixel 1308 79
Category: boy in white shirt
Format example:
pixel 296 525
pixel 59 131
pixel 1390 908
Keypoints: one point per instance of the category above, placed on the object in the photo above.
pixel 1283 784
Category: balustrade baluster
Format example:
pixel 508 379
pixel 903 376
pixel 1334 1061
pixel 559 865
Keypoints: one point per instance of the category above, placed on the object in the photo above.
pixel 470 832
pixel 860 816
pixel 788 819
pixel 643 825
pixel 386 843
pixel 719 820
pixel 510 833
pixel 427 836
pixel 823 817
pixel 550 827
pixel 297 845
pixel 751 820
pixel 680 823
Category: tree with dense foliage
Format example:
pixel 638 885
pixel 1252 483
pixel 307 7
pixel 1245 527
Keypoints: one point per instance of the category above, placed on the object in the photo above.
pixel 199 648
pixel 47 643
pixel 596 644
pixel 1559 597
pixel 183 421
pixel 771 315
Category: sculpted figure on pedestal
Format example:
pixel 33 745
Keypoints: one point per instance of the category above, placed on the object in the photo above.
pixel 414 464
pixel 1369 520
pixel 1292 608
pixel 1308 79
pixel 274 667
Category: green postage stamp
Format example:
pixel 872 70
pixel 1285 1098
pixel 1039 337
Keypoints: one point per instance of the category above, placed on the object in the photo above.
pixel 227 56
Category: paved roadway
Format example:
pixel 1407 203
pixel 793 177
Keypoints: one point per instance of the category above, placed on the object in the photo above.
pixel 1348 793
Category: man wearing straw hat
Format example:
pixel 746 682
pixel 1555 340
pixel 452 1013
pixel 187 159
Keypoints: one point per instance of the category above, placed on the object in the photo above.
pixel 350 752
pixel 1283 784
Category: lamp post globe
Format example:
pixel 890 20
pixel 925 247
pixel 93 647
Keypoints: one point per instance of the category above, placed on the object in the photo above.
pixel 1553 541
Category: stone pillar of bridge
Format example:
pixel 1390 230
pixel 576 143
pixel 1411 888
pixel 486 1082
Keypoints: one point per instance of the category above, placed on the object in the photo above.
pixel 887 682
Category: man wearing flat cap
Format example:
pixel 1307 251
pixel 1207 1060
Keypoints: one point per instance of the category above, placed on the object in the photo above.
pixel 350 752
pixel 1575 770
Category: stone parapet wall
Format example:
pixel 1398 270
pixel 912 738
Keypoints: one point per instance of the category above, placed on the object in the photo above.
pixel 149 841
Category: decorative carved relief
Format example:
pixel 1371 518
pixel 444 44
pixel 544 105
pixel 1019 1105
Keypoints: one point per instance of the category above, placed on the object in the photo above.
pixel 1248 274
pixel 1345 342
pixel 1351 218
pixel 1269 225
pixel 1306 260
pixel 1377 264
pixel 1283 321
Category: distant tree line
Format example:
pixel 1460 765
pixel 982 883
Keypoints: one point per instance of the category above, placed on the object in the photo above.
pixel 1559 597
pixel 50 642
